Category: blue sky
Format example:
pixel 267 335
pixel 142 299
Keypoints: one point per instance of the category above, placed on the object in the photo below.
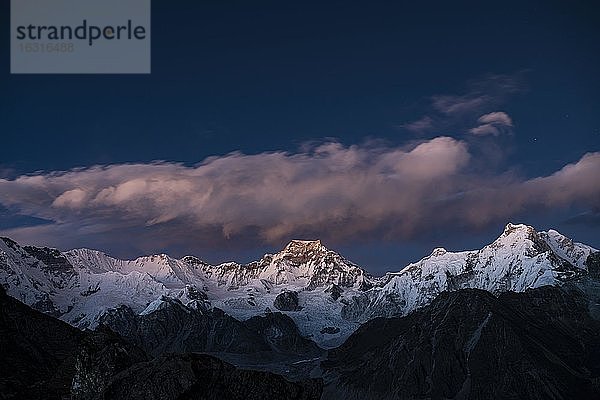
pixel 376 80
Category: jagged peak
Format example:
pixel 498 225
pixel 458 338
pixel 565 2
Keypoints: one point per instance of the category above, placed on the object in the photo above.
pixel 559 237
pixel 513 228
pixel 303 247
pixel 438 251
pixel 8 241
pixel 522 236
pixel 304 243
pixel 162 257
pixel 163 302
pixel 28 248
pixel 84 250
pixel 193 260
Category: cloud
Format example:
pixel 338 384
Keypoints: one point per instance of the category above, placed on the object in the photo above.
pixel 483 93
pixel 330 191
pixel 419 126
pixel 6 172
pixel 460 104
pixel 493 123
pixel 571 185
pixel 485 129
pixel 589 218
pixel 498 117
pixel 456 112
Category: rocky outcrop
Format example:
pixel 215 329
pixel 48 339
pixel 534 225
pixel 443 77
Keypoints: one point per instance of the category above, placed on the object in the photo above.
pixel 287 301
pixel 197 376
pixel 282 335
pixel 51 259
pixel 330 330
pixel 469 344
pixel 101 356
pixel 335 291
pixel 593 265
pixel 173 327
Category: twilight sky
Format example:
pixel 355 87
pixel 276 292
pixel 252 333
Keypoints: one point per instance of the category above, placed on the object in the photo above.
pixel 384 129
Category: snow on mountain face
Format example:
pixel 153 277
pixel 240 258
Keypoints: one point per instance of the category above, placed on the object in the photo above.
pixel 162 268
pixel 311 265
pixel 306 267
pixel 80 285
pixel 50 282
pixel 301 264
pixel 575 253
pixel 28 278
pixel 519 259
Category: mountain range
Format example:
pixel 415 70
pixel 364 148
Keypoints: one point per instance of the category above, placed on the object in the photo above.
pixel 330 296
pixel 452 325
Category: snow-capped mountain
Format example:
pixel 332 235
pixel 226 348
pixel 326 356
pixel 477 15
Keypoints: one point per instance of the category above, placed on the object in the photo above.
pixel 327 296
pixel 302 264
pixel 520 259
pixel 80 285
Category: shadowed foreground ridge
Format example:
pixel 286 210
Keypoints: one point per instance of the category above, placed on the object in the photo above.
pixel 199 376
pixel 176 328
pixel 45 358
pixel 468 344
pixel 38 352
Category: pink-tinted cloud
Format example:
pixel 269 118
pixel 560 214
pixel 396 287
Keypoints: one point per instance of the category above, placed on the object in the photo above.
pixel 497 117
pixel 457 112
pixel 330 191
pixel 483 93
pixel 460 104
pixel 494 123
pixel 485 129
pixel 421 125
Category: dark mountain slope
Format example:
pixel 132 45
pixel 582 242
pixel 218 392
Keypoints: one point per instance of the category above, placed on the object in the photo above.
pixel 541 344
pixel 173 327
pixel 203 377
pixel 38 352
